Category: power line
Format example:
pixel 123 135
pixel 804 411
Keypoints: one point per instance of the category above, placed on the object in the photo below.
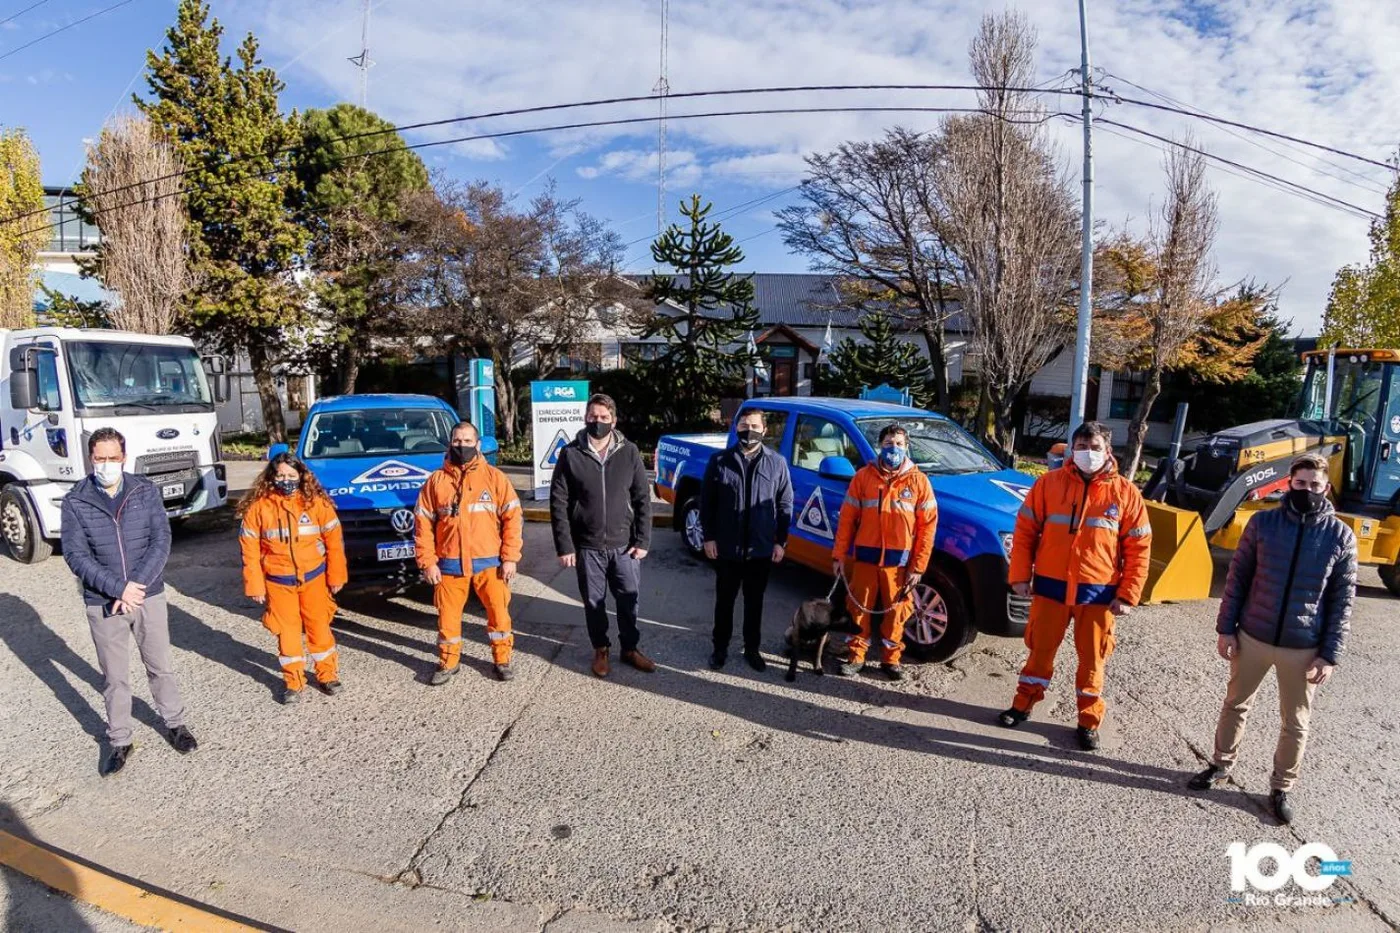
pixel 545 129
pixel 14 16
pixel 1259 173
pixel 547 108
pixel 49 35
pixel 722 215
pixel 1364 182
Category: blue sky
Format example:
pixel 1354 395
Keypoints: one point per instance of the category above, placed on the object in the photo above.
pixel 1319 69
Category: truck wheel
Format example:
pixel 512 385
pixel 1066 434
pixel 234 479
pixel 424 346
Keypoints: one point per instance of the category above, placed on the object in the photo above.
pixel 691 532
pixel 941 626
pixel 1390 576
pixel 20 528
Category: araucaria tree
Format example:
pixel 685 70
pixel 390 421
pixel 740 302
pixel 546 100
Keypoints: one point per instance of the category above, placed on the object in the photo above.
pixel 240 191
pixel 1011 225
pixel 131 190
pixel 880 358
pixel 702 310
pixel 23 227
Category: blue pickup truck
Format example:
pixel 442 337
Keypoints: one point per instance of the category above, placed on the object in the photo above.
pixel 372 453
pixel 824 441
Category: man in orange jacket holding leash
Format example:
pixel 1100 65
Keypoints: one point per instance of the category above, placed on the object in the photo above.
pixel 468 533
pixel 885 532
pixel 1081 549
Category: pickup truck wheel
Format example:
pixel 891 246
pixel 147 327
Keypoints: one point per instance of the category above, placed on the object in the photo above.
pixel 1390 576
pixel 691 532
pixel 941 626
pixel 20 528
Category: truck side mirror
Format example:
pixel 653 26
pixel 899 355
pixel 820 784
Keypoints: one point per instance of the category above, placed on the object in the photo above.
pixel 277 450
pixel 216 369
pixel 24 389
pixel 838 468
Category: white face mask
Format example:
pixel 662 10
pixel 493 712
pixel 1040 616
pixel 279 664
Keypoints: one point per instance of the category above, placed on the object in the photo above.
pixel 108 474
pixel 1090 461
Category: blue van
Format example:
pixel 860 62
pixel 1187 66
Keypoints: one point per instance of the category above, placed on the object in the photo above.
pixel 372 453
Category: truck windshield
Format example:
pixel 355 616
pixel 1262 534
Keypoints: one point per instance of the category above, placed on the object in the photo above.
pixel 374 431
pixel 137 378
pixel 935 446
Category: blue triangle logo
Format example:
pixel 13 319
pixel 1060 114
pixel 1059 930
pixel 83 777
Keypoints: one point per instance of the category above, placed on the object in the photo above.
pixel 813 518
pixel 551 457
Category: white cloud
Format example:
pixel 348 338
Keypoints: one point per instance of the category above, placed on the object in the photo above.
pixel 1321 69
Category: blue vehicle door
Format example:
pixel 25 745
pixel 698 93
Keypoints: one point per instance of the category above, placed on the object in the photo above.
pixel 816 498
pixel 1385 483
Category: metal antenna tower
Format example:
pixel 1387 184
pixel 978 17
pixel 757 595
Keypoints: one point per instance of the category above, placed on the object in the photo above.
pixel 662 90
pixel 362 61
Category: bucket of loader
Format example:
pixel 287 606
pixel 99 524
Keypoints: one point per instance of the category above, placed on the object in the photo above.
pixel 1181 563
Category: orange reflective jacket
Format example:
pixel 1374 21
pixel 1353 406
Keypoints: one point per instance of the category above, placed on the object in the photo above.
pixel 1083 543
pixel 467 515
pixel 288 540
pixel 888 519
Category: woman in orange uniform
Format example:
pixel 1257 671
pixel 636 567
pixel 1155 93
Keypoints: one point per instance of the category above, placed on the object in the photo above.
pixel 293 564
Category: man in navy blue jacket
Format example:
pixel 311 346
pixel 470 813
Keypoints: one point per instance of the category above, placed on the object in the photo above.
pixel 116 539
pixel 745 514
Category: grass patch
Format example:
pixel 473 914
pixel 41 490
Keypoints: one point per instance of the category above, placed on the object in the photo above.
pixel 250 445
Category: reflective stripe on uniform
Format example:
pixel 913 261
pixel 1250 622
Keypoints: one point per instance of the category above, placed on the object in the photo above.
pixel 481 507
pixel 889 644
pixel 1059 519
pixel 1106 523
pixel 862 503
pixel 899 506
pixel 247 532
pixel 513 504
pixel 322 655
pixel 285 661
pixel 424 512
pixel 277 534
pixel 1142 531
pixel 1025 679
pixel 1028 513
pixel 927 506
pixel 450 641
pixel 497 636
pixel 331 525
pixel 1088 693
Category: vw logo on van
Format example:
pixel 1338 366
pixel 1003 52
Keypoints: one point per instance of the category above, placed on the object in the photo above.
pixel 402 520
pixel 167 434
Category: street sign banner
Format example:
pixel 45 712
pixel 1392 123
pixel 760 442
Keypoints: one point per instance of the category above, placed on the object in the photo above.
pixel 556 415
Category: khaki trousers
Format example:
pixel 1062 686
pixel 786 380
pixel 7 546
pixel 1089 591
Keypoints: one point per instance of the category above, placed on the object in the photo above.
pixel 1295 694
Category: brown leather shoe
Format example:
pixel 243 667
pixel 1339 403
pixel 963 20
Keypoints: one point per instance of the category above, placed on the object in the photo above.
pixel 600 662
pixel 640 661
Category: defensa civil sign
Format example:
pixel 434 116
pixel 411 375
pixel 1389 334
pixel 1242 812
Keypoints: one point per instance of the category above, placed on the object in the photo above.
pixel 557 414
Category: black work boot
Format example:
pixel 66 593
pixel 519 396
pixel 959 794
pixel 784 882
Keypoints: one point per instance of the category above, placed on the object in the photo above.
pixel 116 760
pixel 1211 777
pixel 894 672
pixel 443 675
pixel 850 668
pixel 717 660
pixel 756 661
pixel 1012 718
pixel 503 672
pixel 1088 738
pixel 1282 808
pixel 331 687
pixel 181 739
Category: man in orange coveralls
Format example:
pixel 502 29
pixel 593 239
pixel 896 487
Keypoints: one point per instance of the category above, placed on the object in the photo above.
pixel 887 525
pixel 1081 550
pixel 468 532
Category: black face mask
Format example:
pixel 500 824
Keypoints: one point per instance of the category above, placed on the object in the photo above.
pixel 750 438
pixel 462 453
pixel 286 486
pixel 599 429
pixel 1305 500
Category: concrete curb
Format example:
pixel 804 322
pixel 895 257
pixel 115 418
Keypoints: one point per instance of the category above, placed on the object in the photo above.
pixel 91 885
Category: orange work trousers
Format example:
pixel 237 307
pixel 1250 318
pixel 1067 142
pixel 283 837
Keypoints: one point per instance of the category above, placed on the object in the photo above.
pixel 875 588
pixel 305 608
pixel 450 597
pixel 1093 642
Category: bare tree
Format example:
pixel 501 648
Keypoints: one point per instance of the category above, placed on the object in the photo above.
pixel 486 279
pixel 1171 297
pixel 871 214
pixel 131 190
pixel 1011 224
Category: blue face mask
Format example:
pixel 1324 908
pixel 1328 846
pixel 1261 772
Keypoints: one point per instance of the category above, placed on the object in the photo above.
pixel 892 457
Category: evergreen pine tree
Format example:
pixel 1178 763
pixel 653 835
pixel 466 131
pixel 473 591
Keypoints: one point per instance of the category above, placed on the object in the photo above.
pixel 880 358
pixel 716 310
pixel 241 188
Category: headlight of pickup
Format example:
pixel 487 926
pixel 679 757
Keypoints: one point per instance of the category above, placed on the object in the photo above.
pixel 1006 539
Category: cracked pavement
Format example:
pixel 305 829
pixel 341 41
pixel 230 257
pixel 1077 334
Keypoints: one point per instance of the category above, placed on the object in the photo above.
pixel 683 800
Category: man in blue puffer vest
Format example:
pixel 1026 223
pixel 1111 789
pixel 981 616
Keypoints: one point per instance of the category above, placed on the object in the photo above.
pixel 116 539
pixel 1287 606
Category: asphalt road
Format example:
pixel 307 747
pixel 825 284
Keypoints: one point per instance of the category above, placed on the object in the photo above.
pixel 686 799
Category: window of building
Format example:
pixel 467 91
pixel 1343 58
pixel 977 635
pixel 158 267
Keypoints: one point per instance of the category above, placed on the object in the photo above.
pixel 816 439
pixel 67 232
pixel 643 352
pixel 1128 389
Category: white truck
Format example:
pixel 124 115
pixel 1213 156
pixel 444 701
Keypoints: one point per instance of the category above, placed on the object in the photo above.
pixel 60 384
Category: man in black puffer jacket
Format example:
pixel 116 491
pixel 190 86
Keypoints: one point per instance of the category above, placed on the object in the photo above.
pixel 1287 605
pixel 600 508
pixel 116 539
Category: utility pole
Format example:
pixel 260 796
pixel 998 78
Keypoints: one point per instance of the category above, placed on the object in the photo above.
pixel 662 89
pixel 362 60
pixel 1086 259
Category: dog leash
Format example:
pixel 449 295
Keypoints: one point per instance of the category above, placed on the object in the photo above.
pixel 841 579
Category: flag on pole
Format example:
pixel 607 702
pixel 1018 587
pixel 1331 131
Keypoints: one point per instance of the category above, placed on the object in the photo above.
pixel 824 355
pixel 759 369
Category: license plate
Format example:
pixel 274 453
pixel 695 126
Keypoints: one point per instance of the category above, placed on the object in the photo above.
pixel 172 490
pixel 396 551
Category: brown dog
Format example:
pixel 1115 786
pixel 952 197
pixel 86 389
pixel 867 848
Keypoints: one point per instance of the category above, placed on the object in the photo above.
pixel 813 624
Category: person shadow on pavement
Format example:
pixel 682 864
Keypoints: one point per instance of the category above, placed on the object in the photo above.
pixel 48 656
pixel 29 904
pixel 190 633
